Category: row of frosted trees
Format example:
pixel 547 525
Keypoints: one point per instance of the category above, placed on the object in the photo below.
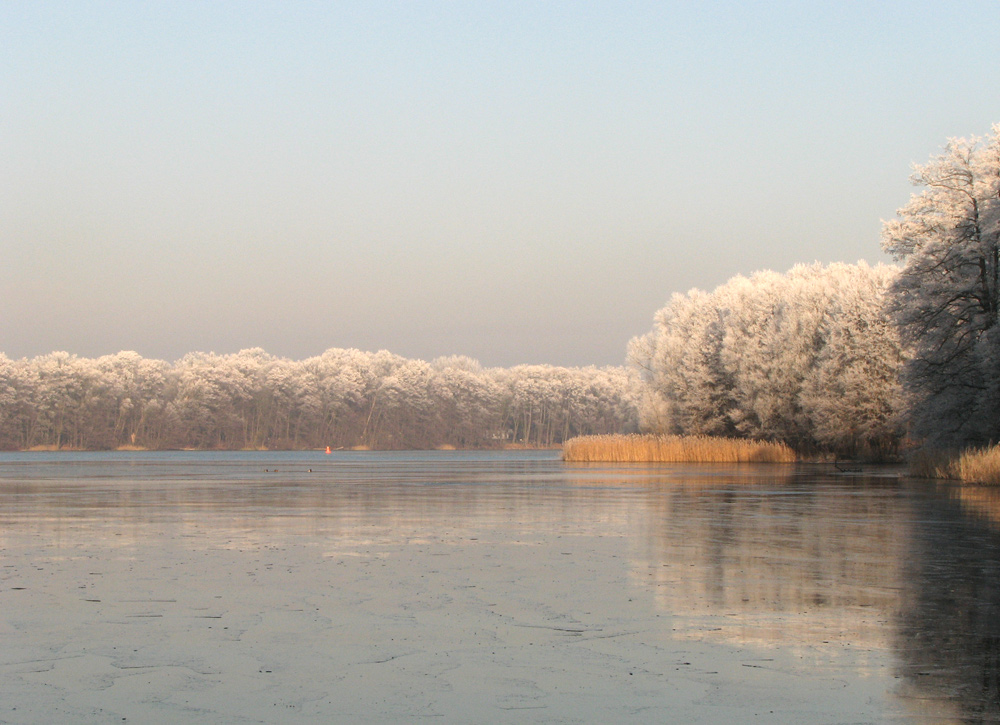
pixel 342 398
pixel 851 358
pixel 809 358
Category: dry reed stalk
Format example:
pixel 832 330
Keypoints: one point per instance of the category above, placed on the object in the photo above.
pixel 978 465
pixel 973 465
pixel 674 449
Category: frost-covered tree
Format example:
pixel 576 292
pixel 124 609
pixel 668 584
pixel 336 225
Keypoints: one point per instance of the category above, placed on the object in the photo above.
pixel 65 401
pixel 851 395
pixel 215 397
pixel 752 319
pixel 134 390
pixel 466 401
pixel 546 404
pixel 786 357
pixel 946 300
pixel 14 411
pixel 688 390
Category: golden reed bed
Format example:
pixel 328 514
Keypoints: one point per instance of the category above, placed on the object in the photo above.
pixel 674 449
pixel 973 465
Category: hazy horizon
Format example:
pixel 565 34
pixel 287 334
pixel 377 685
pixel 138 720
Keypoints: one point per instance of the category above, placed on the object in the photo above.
pixel 519 183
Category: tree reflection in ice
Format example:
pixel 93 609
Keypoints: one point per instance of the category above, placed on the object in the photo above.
pixel 871 563
pixel 948 632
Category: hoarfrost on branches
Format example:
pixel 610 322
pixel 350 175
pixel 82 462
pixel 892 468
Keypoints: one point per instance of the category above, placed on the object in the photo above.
pixel 945 302
pixel 805 358
pixel 341 398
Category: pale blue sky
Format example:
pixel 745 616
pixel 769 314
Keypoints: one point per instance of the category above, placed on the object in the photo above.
pixel 518 182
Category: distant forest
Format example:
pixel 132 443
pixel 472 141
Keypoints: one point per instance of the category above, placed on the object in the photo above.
pixel 846 359
pixel 808 358
pixel 342 398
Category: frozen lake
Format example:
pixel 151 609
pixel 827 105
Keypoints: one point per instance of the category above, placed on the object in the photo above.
pixel 489 587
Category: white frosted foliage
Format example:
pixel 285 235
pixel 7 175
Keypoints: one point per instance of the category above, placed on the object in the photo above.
pixel 806 357
pixel 341 398
pixel 946 301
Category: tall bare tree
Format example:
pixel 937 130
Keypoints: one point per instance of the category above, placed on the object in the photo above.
pixel 946 300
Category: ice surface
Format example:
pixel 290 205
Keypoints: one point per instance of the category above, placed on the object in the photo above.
pixel 484 588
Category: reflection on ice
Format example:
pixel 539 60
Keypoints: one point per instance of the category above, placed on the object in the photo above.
pixel 726 577
pixel 982 502
pixel 947 636
pixel 827 556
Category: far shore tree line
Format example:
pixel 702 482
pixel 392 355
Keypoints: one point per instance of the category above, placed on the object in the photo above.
pixel 844 359
pixel 343 398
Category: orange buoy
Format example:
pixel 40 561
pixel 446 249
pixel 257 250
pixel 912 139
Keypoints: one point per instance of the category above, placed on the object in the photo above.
pixel 328 450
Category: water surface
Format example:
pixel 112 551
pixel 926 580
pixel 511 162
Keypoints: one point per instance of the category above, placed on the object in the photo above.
pixel 489 587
